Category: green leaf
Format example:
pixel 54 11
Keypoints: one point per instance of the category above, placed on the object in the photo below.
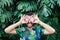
pixel 51 37
pixel 26 6
pixel 5 2
pixel 55 20
pixel 58 2
pixel 3 18
pixel 49 3
pixel 45 11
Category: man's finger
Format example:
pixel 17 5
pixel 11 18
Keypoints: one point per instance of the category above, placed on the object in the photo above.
pixel 21 15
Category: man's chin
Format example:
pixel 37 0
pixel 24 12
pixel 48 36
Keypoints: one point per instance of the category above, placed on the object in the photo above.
pixel 29 25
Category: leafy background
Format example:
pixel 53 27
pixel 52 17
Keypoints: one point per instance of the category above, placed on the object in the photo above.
pixel 47 10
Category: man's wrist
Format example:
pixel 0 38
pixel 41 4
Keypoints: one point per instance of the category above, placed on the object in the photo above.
pixel 19 22
pixel 40 22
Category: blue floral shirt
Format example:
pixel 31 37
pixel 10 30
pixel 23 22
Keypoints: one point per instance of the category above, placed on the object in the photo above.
pixel 26 34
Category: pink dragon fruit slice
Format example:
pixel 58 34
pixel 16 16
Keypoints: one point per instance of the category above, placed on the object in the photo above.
pixel 32 19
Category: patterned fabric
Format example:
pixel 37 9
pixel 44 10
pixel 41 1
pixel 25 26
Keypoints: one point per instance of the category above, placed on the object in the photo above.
pixel 26 34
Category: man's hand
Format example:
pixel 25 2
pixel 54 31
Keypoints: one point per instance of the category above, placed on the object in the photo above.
pixel 36 19
pixel 22 21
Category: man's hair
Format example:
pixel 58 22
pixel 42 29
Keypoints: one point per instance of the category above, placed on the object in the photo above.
pixel 29 13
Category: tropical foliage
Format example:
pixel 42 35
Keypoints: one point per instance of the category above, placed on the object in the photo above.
pixel 47 10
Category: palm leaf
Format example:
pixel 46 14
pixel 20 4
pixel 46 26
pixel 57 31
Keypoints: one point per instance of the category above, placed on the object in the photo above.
pixel 49 3
pixel 26 6
pixel 5 2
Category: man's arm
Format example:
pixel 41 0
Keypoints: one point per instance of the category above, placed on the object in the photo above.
pixel 11 29
pixel 47 28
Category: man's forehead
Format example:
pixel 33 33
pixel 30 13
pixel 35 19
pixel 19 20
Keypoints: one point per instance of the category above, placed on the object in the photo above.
pixel 27 16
